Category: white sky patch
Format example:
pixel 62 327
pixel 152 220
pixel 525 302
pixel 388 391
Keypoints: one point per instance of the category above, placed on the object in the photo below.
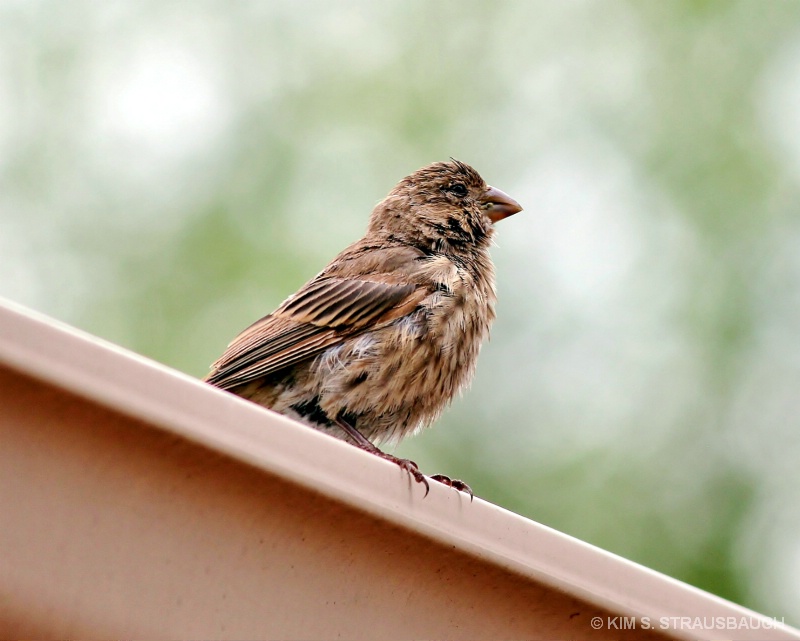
pixel 598 262
pixel 578 225
pixel 5 113
pixel 157 111
pixel 160 98
pixel 778 102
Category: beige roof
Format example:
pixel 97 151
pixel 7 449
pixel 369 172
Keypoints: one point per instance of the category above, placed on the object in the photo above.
pixel 136 500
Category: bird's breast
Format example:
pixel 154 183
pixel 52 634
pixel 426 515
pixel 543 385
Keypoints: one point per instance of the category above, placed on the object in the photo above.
pixel 398 377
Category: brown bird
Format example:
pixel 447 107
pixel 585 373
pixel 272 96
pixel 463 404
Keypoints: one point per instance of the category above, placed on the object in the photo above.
pixel 381 340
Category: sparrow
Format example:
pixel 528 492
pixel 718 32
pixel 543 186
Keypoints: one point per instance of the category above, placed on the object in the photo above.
pixel 379 342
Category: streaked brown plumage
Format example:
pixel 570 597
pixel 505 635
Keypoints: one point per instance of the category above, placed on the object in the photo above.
pixel 379 342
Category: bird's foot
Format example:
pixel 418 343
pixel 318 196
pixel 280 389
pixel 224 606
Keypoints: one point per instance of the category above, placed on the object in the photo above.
pixel 365 444
pixel 455 484
pixel 407 465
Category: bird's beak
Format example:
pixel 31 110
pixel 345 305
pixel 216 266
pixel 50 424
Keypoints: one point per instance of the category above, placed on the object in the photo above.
pixel 498 204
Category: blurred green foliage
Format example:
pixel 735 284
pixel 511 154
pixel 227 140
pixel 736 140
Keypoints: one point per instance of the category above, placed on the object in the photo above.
pixel 169 172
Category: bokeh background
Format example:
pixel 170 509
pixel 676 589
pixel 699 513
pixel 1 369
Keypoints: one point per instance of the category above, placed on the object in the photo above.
pixel 170 171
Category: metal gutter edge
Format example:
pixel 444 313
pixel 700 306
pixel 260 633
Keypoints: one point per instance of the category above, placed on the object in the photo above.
pixel 133 385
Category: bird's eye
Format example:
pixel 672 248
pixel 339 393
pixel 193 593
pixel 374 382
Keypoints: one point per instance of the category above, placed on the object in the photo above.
pixel 459 189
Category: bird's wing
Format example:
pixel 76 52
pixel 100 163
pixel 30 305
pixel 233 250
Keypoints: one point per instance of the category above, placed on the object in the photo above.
pixel 322 314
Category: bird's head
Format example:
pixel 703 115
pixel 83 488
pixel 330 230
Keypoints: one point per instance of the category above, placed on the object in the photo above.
pixel 446 204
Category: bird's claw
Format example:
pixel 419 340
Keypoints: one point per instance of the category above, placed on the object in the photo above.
pixel 409 466
pixel 455 484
